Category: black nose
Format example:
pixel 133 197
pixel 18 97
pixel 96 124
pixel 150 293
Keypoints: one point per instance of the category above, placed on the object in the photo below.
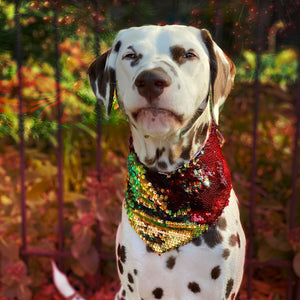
pixel 151 83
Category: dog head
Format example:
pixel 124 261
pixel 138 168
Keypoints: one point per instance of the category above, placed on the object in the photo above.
pixel 163 77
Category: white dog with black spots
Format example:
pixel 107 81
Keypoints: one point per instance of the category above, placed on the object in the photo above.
pixel 170 83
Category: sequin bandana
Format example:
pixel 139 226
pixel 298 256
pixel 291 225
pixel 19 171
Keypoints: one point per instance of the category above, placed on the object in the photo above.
pixel 170 210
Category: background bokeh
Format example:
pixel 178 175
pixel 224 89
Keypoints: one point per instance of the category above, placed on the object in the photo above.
pixel 250 32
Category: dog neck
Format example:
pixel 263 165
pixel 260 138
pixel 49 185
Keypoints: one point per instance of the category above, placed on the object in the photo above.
pixel 168 210
pixel 166 154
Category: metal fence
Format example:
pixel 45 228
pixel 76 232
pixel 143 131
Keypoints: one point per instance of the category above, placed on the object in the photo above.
pixel 293 283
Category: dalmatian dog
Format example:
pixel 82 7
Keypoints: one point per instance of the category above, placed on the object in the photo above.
pixel 170 83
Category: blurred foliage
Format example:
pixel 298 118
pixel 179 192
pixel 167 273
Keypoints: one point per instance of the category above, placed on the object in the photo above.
pixel 90 202
pixel 278 69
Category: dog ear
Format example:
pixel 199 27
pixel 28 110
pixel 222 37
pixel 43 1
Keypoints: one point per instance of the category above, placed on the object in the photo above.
pixel 102 77
pixel 222 72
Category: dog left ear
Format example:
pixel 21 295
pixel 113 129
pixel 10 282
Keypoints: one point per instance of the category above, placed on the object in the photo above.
pixel 222 72
pixel 102 77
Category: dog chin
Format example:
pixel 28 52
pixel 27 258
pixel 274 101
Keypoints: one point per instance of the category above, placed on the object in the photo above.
pixel 157 122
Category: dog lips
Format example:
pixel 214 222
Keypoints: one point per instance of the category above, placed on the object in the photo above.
pixel 156 121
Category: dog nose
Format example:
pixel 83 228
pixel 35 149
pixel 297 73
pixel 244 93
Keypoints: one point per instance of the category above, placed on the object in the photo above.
pixel 151 83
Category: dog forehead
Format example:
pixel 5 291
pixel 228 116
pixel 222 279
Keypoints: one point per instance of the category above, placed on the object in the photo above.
pixel 159 37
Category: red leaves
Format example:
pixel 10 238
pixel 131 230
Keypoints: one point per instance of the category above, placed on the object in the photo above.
pixel 14 279
pixel 82 248
pixel 108 290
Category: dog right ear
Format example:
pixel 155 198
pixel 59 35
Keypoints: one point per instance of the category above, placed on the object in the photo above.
pixel 102 77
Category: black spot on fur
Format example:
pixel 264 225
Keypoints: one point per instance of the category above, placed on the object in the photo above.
pixel 194 287
pixel 109 77
pixel 226 253
pixel 222 223
pixel 171 158
pixel 149 161
pixel 177 53
pixel 238 240
pixel 197 241
pixel 171 262
pixel 201 134
pixel 120 266
pixel 122 253
pixel 162 165
pixel 138 57
pixel 212 237
pixel 130 288
pixel 135 272
pixel 229 287
pixel 97 72
pixel 191 122
pixel 215 272
pixel 212 56
pixel 233 240
pixel 185 154
pixel 158 293
pixel 130 278
pixel 118 46
pixel 149 249
pixel 124 293
pixel 158 154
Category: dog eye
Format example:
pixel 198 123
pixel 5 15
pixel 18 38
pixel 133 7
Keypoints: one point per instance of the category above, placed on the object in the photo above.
pixel 130 56
pixel 189 55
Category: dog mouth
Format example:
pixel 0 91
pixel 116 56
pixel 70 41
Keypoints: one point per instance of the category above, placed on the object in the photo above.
pixel 157 121
pixel 156 113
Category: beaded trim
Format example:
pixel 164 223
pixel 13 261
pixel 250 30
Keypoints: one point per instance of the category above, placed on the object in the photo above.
pixel 170 210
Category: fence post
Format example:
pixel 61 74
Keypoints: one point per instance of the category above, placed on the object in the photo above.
pixel 60 189
pixel 295 170
pixel 251 226
pixel 98 110
pixel 18 52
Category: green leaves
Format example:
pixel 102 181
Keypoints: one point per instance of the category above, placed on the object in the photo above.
pixel 276 68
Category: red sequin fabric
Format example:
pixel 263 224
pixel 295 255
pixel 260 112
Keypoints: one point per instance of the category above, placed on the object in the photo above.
pixel 169 210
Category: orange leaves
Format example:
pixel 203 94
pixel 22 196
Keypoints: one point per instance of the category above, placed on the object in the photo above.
pixel 77 59
pixel 40 97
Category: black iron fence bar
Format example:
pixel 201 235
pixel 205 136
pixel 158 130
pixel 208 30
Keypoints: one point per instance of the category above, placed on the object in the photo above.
pixel 60 189
pixel 272 262
pixel 98 110
pixel 251 228
pixel 18 51
pixel 295 167
pixel 295 170
pixel 219 23
pixel 60 254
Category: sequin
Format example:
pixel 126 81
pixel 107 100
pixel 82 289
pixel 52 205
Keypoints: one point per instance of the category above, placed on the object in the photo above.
pixel 170 210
